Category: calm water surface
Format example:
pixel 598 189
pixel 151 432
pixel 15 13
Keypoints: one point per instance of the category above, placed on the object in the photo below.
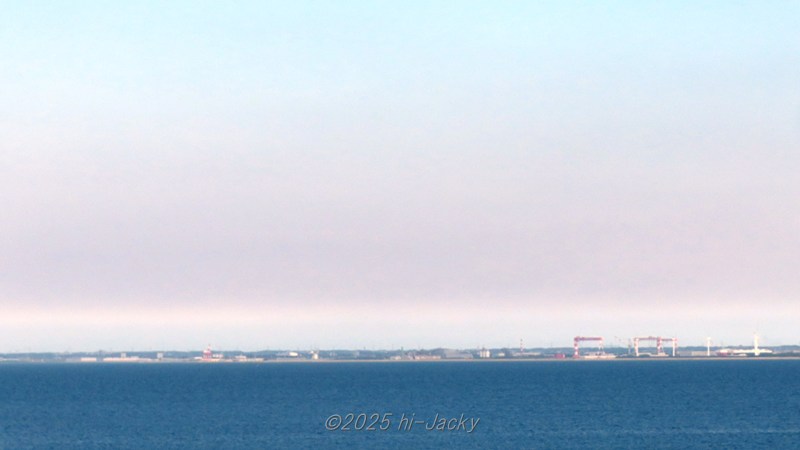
pixel 746 404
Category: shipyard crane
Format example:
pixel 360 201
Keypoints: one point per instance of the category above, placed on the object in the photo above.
pixel 659 344
pixel 657 339
pixel 578 339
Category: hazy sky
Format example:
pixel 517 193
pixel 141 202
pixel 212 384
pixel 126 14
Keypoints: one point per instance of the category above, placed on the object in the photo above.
pixel 383 174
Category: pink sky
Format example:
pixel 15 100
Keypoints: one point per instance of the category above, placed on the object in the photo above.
pixel 287 177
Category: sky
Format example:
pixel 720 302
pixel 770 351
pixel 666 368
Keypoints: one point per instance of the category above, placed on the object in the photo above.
pixel 313 174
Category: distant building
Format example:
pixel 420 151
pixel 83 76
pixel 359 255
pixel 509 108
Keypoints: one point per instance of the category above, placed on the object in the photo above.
pixel 123 357
pixel 426 357
pixel 455 354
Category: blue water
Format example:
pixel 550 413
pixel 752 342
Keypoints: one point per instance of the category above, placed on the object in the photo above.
pixel 746 404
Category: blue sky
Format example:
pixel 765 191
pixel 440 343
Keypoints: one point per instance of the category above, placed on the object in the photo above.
pixel 383 174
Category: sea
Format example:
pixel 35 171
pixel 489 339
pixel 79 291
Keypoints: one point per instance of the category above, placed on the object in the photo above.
pixel 637 404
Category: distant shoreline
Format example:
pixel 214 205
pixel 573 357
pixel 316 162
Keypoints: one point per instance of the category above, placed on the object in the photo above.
pixel 403 361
